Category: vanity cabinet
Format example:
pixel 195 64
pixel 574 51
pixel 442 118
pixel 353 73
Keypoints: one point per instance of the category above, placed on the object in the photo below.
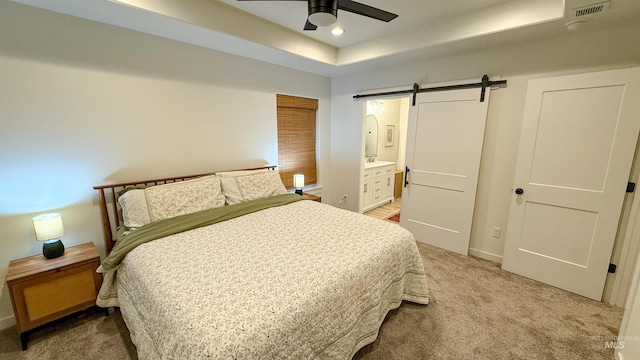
pixel 379 183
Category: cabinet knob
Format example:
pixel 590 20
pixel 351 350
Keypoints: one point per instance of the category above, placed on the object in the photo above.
pixel 519 191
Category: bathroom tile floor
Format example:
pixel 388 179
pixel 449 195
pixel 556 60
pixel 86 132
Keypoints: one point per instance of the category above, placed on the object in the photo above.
pixel 386 210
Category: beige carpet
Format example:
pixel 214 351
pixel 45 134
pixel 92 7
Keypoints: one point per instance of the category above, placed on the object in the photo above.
pixel 477 311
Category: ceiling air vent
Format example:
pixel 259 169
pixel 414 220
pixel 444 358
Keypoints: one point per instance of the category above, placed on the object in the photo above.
pixel 591 9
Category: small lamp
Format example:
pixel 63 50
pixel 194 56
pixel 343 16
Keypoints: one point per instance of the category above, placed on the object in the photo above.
pixel 298 183
pixel 49 229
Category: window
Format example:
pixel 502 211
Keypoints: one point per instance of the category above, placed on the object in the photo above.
pixel 296 138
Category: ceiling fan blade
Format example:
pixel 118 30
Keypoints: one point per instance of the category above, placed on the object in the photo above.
pixel 309 26
pixel 365 10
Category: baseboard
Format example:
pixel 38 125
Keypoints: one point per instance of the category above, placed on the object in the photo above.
pixel 485 255
pixel 7 322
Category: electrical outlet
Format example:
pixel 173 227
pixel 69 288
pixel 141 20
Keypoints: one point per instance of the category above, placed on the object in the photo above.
pixel 495 232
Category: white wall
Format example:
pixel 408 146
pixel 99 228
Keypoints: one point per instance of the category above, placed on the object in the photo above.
pixel 84 104
pixel 629 335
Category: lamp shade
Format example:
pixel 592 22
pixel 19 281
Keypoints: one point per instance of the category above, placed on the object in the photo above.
pixel 298 180
pixel 48 226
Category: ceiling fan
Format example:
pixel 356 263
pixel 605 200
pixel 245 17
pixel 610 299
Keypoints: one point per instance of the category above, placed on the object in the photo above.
pixel 325 12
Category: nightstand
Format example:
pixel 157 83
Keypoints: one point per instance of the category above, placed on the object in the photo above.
pixel 43 290
pixel 312 197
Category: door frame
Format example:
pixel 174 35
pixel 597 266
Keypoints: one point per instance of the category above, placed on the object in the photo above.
pixel 626 248
pixel 363 140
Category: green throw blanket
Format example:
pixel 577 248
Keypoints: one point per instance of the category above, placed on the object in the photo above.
pixel 182 223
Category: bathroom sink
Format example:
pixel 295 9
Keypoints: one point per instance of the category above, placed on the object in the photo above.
pixel 368 165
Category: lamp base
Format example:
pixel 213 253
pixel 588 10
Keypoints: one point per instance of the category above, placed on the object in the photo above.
pixel 52 249
pixel 299 192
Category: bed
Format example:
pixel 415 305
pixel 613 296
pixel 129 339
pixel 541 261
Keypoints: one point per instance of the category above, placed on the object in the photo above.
pixel 230 266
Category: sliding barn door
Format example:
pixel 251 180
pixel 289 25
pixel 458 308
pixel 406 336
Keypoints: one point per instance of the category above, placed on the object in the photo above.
pixel 577 144
pixel 444 143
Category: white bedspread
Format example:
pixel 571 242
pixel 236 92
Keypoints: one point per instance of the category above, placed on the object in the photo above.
pixel 300 281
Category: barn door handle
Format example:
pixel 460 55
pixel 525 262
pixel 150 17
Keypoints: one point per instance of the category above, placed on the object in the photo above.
pixel 406 176
pixel 519 191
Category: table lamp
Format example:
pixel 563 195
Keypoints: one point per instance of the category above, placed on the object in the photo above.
pixel 49 229
pixel 298 183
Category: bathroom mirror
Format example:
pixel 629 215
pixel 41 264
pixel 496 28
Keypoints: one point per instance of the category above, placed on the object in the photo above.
pixel 371 136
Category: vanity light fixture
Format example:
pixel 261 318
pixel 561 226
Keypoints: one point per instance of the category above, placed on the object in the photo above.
pixel 374 107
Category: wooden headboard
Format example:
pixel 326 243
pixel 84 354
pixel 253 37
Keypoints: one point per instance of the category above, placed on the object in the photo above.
pixel 112 215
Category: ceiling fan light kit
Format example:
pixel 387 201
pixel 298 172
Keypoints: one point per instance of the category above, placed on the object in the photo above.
pixel 323 12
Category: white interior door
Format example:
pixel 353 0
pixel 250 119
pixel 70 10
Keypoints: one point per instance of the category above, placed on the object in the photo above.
pixel 444 143
pixel 577 144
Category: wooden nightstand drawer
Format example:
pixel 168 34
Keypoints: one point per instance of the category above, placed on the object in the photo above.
pixel 43 290
pixel 60 292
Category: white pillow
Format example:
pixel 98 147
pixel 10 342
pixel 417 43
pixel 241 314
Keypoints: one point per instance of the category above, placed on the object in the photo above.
pixel 250 187
pixel 231 191
pixel 135 212
pixel 184 197
pixel 230 186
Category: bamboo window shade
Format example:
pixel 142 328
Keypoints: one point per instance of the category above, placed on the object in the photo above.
pixel 296 138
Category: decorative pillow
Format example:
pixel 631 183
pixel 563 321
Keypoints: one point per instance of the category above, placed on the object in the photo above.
pixel 135 212
pixel 230 190
pixel 250 187
pixel 184 197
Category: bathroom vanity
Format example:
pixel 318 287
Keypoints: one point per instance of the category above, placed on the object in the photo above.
pixel 379 181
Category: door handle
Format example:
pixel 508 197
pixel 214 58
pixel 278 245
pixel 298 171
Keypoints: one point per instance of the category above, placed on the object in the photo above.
pixel 406 175
pixel 519 191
